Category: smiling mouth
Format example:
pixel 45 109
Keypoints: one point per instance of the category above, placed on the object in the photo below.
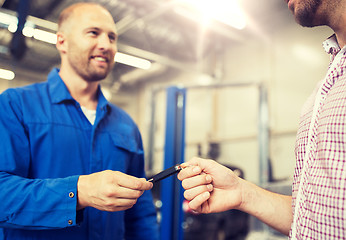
pixel 100 59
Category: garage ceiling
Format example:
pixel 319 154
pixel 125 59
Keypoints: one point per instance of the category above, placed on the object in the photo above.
pixel 151 29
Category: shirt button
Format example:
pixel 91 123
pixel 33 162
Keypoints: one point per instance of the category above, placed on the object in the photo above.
pixel 71 194
pixel 70 222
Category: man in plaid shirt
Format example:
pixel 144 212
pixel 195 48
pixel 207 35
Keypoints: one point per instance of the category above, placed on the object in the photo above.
pixel 317 207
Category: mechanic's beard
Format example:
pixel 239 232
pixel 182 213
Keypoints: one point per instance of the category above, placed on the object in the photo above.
pixel 306 16
pixel 98 74
pixel 94 75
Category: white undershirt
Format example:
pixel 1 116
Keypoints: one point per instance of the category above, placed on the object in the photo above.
pixel 89 114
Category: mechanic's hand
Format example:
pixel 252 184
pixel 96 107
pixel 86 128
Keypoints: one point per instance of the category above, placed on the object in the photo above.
pixel 110 190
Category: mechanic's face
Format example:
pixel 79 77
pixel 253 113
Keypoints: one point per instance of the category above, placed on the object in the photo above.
pixel 91 43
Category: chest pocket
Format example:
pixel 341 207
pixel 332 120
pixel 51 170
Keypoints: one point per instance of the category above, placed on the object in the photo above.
pixel 127 143
pixel 124 149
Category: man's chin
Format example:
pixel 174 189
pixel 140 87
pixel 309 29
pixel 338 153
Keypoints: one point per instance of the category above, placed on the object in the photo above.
pixel 98 76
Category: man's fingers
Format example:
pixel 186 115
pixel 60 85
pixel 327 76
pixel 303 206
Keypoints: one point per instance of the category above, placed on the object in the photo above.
pixel 194 192
pixel 189 172
pixel 196 166
pixel 196 203
pixel 202 179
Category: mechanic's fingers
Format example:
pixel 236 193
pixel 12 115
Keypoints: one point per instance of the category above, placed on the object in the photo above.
pixel 132 182
pixel 194 192
pixel 123 192
pixel 119 204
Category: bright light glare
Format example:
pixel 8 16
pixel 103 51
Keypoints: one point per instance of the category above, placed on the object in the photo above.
pixel 106 93
pixel 38 34
pixel 132 61
pixel 12 27
pixel 29 30
pixel 307 54
pixel 45 36
pixel 6 74
pixel 225 11
pixel 8 19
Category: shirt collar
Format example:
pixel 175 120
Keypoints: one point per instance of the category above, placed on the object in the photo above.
pixel 331 45
pixel 59 92
pixel 57 88
pixel 102 101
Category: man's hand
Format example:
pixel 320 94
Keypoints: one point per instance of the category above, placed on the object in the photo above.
pixel 110 190
pixel 209 186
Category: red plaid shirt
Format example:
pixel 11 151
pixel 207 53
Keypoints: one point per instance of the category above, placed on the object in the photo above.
pixel 319 185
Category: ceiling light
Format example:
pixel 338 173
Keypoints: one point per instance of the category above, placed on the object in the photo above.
pixel 12 27
pixel 30 30
pixel 6 74
pixel 45 36
pixel 228 12
pixel 7 19
pixel 132 61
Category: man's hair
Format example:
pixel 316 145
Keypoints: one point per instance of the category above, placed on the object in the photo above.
pixel 68 12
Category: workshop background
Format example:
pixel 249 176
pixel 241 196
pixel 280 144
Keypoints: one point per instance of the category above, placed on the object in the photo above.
pixel 246 66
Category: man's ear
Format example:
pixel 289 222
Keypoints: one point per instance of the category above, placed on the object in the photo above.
pixel 61 43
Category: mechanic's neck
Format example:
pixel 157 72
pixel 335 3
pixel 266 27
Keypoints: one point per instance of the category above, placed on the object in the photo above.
pixel 86 96
pixel 84 92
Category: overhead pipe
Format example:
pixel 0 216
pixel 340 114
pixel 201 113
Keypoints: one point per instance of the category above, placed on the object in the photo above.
pixel 18 45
